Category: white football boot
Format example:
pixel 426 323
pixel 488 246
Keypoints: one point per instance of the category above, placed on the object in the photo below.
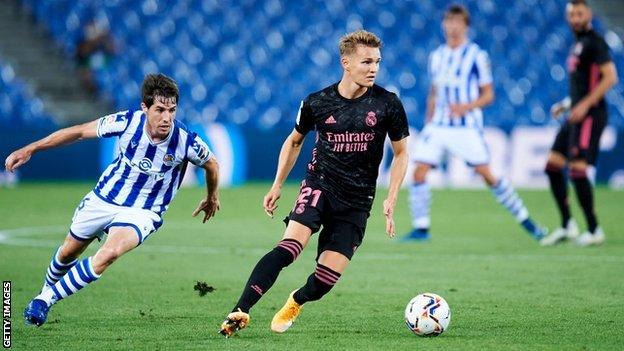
pixel 570 232
pixel 588 239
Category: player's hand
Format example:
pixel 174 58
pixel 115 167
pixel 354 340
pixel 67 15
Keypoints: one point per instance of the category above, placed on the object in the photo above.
pixel 209 205
pixel 458 110
pixel 557 110
pixel 388 210
pixel 270 201
pixel 578 112
pixel 17 158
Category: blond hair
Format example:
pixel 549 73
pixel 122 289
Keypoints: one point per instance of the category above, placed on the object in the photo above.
pixel 349 42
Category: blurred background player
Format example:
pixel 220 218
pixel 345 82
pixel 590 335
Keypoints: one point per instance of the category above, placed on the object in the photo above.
pixel 94 48
pixel 592 74
pixel 351 119
pixel 461 84
pixel 132 194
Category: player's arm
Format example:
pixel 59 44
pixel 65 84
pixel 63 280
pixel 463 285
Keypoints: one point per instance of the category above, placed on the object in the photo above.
pixel 60 137
pixel 287 157
pixel 430 104
pixel 397 173
pixel 608 80
pixel 210 205
pixel 486 97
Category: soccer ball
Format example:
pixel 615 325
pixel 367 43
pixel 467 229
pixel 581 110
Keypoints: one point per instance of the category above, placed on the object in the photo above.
pixel 427 315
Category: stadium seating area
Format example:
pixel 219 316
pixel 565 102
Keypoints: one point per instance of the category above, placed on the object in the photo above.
pixel 18 106
pixel 251 62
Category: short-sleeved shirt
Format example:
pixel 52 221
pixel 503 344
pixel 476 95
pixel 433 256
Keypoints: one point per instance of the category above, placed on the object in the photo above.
pixel 145 174
pixel 350 136
pixel 587 54
pixel 457 74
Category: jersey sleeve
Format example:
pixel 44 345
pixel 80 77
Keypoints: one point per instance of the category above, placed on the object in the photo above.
pixel 398 127
pixel 600 51
pixel 483 68
pixel 305 118
pixel 198 151
pixel 114 124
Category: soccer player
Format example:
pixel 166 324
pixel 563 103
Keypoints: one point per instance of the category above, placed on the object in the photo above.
pixel 132 194
pixel 592 74
pixel 351 119
pixel 461 85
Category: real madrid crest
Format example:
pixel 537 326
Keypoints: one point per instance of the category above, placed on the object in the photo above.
pixel 371 119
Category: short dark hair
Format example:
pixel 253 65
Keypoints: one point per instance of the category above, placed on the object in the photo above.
pixel 158 85
pixel 458 10
pixel 578 2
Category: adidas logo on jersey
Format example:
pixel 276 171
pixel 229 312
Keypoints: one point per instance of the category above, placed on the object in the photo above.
pixel 330 120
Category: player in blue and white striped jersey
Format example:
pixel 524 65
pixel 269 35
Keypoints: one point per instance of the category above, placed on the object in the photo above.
pixel 461 81
pixel 133 192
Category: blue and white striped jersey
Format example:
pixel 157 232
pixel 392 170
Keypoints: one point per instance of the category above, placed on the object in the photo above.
pixel 457 75
pixel 145 174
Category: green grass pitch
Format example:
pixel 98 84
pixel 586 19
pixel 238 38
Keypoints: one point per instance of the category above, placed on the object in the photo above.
pixel 505 292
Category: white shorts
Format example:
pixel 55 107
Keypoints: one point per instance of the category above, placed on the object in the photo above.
pixel 94 216
pixel 465 143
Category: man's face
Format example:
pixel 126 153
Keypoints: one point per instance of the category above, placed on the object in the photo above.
pixel 579 17
pixel 160 115
pixel 454 27
pixel 363 65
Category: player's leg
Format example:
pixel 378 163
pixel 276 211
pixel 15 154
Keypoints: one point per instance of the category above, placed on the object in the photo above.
pixel 119 241
pixel 328 270
pixel 338 240
pixel 555 170
pixel 270 265
pixel 555 166
pixel 587 137
pixel 126 228
pixel 428 152
pixel 302 222
pixel 265 274
pixel 507 196
pixel 469 144
pixel 420 203
pixel 89 218
pixel 83 273
pixel 64 258
pixel 584 193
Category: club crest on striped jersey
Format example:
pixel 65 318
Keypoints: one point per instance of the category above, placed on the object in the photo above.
pixel 168 160
pixel 371 119
pixel 145 164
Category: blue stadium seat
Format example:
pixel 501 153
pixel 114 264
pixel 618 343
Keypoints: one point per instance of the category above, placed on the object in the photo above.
pixel 251 62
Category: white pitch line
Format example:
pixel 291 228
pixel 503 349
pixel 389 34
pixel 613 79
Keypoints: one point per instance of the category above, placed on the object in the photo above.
pixel 19 237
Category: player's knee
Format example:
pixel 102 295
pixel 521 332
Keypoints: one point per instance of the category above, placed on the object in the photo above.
pixel 555 163
pixel 105 257
pixel 70 251
pixel 578 170
pixel 420 174
pixel 66 254
pixel 553 168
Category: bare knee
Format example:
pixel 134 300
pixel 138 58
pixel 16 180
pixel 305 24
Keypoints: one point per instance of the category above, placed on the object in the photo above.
pixel 72 249
pixel 556 160
pixel 485 172
pixel 334 260
pixel 420 173
pixel 578 165
pixel 104 258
